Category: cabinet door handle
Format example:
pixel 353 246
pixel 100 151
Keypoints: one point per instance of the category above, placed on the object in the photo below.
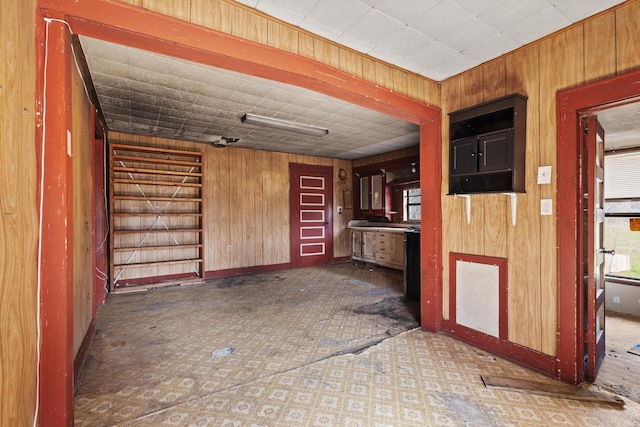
pixel 473 154
pixel 480 153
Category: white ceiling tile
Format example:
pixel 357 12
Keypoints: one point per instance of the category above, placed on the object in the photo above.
pixel 405 10
pixel 475 30
pixel 405 42
pixel 250 3
pixel 477 7
pixel 512 14
pixel 338 14
pixel 576 10
pixel 374 27
pixel 442 19
pixel 433 53
pixel 354 43
pixel 491 48
pixel 323 30
pixel 537 26
pixel 385 55
pixel 293 16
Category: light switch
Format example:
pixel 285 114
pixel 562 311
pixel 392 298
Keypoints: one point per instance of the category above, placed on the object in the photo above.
pixel 544 175
pixel 546 206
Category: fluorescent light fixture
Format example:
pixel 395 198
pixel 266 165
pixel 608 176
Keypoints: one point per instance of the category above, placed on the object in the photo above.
pixel 254 119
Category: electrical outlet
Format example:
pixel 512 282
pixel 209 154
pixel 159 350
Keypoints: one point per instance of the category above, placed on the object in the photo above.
pixel 228 248
pixel 546 207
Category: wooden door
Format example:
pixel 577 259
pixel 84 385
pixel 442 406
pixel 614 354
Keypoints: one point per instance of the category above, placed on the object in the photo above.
pixel 594 252
pixel 311 215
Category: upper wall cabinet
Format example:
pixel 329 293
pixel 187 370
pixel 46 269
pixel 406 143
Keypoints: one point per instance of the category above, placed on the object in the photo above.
pixel 487 147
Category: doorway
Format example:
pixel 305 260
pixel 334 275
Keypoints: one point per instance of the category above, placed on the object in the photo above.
pixel 311 215
pixel 579 330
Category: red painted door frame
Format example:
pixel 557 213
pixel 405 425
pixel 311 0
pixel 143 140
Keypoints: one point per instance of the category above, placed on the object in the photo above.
pixel 571 104
pixel 137 27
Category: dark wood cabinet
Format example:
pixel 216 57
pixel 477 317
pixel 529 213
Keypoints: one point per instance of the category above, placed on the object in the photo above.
pixel 487 147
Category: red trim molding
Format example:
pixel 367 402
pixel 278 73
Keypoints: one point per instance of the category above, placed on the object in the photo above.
pixel 524 356
pixel 503 286
pixel 56 269
pixel 572 103
pixel 500 345
pixel 83 351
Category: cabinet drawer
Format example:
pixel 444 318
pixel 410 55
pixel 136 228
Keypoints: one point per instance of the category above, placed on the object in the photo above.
pixel 383 257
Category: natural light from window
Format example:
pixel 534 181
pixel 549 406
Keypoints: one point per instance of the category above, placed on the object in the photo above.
pixel 622 215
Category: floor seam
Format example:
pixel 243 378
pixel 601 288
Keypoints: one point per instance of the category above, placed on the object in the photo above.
pixel 353 350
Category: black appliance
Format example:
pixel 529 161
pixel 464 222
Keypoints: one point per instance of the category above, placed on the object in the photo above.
pixel 412 264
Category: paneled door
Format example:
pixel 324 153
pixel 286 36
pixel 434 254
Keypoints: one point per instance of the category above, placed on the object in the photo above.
pixel 594 251
pixel 311 214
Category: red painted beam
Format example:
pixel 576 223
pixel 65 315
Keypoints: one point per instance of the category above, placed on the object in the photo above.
pixel 56 286
pixel 140 28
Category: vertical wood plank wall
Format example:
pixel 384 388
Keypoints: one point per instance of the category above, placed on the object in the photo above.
pixel 603 46
pixel 83 227
pixel 18 214
pixel 246 202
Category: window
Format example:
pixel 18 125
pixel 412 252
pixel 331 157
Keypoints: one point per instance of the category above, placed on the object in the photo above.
pixel 622 215
pixel 411 204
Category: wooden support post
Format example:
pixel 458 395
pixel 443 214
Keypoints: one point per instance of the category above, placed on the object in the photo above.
pixel 56 268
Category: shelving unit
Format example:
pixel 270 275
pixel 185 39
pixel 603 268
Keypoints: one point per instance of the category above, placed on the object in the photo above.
pixel 155 217
pixel 487 147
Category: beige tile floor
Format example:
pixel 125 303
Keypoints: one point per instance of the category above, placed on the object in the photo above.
pixel 330 346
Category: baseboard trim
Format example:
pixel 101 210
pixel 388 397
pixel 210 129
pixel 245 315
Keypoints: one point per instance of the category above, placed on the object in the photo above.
pixel 83 351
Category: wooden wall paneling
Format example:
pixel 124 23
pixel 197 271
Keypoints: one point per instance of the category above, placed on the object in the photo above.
pixel 369 69
pixel 279 188
pixel 326 52
pixel 214 14
pixel 259 164
pixel 600 47
pixel 306 45
pixel 18 216
pixel 494 79
pixel 177 8
pixel 283 37
pixel 252 208
pixel 250 26
pixel 497 218
pixel 384 75
pixel 552 79
pixel 453 213
pixel 627 36
pixel 83 268
pixel 524 272
pixel 400 81
pixel 351 62
pixel 221 227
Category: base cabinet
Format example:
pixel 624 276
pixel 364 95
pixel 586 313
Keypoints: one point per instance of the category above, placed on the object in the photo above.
pixel 378 247
pixel 368 254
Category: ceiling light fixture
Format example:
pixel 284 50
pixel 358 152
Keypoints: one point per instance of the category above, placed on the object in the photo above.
pixel 254 119
pixel 221 141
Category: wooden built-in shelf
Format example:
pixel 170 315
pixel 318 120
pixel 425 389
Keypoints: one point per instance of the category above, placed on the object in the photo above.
pixel 156 248
pixel 159 230
pixel 160 183
pixel 157 177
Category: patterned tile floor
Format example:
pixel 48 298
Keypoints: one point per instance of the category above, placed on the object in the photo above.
pixel 331 346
